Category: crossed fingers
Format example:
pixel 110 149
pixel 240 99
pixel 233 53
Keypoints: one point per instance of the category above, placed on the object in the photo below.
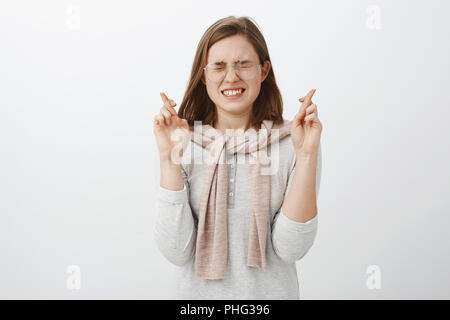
pixel 308 109
pixel 166 111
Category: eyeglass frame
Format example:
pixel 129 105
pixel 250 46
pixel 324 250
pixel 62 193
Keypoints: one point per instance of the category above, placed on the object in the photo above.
pixel 226 66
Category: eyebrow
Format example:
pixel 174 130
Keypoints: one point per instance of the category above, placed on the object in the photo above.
pixel 223 62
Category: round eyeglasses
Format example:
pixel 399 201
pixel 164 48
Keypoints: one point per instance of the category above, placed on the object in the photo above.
pixel 246 70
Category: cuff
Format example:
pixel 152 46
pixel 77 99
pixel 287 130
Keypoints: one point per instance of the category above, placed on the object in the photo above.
pixel 301 227
pixel 173 196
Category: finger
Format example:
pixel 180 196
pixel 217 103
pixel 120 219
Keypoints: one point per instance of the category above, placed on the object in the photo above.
pixel 308 96
pixel 302 110
pixel 171 107
pixel 171 110
pixel 165 120
pixel 297 119
pixel 159 119
pixel 306 101
pixel 312 108
pixel 162 121
pixel 168 102
pixel 166 114
pixel 164 97
pixel 310 117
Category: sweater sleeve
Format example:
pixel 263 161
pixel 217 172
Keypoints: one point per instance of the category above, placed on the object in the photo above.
pixel 175 228
pixel 291 240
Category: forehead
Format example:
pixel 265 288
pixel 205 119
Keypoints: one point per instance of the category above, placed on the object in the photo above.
pixel 233 48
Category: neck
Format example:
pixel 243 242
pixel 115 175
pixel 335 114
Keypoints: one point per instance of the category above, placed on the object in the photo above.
pixel 235 123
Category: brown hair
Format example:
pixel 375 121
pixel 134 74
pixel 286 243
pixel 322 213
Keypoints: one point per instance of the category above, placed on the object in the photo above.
pixel 197 105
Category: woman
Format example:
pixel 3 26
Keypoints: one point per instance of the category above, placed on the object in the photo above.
pixel 237 196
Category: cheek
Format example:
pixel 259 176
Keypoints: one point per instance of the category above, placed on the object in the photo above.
pixel 213 92
pixel 254 89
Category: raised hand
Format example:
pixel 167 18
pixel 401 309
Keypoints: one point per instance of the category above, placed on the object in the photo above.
pixel 306 128
pixel 171 132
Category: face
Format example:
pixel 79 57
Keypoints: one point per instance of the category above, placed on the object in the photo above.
pixel 230 50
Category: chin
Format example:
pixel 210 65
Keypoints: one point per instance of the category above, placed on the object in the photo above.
pixel 234 108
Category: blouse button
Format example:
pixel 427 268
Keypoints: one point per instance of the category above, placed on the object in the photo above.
pixel 231 179
pixel 231 194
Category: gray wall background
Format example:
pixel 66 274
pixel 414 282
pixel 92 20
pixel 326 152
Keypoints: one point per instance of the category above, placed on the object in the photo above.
pixel 79 86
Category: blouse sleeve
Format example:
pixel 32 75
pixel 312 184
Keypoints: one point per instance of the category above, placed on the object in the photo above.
pixel 175 228
pixel 291 240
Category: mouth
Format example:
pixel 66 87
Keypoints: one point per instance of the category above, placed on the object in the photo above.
pixel 233 94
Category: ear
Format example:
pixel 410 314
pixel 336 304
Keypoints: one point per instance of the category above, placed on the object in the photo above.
pixel 203 78
pixel 265 70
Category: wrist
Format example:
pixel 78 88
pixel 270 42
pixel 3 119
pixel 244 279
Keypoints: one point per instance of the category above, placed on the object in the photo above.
pixel 306 156
pixel 164 161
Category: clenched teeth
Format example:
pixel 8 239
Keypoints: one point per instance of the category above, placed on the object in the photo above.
pixel 232 92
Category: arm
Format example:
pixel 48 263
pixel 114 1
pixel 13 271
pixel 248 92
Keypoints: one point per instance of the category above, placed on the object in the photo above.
pixel 175 228
pixel 300 203
pixel 170 175
pixel 295 225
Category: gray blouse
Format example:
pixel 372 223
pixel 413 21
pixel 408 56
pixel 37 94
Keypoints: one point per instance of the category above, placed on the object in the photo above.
pixel 287 240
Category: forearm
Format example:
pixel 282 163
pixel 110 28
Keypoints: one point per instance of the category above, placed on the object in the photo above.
pixel 174 229
pixel 300 203
pixel 170 175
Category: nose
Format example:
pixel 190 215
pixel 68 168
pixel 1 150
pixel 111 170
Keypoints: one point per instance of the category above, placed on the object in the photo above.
pixel 231 74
